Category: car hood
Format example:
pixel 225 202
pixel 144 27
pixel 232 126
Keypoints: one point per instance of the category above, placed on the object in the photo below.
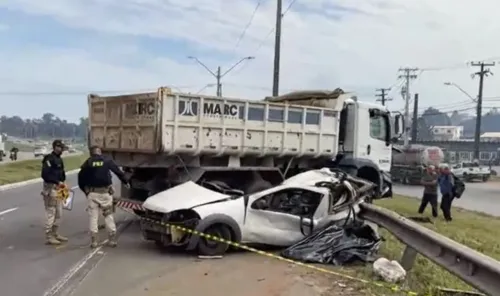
pixel 184 196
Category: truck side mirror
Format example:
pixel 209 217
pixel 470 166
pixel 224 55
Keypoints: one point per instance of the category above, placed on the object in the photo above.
pixel 399 125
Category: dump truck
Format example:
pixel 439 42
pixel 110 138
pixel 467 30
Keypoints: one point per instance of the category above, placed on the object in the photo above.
pixel 409 165
pixel 162 139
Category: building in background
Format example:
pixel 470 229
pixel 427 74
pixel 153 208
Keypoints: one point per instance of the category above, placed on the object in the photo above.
pixel 447 132
pixel 490 137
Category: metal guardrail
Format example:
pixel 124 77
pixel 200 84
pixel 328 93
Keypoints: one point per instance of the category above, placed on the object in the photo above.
pixel 474 268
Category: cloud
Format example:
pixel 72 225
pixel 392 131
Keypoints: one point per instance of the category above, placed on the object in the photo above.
pixel 357 45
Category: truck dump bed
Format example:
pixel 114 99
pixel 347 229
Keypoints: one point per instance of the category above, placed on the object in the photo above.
pixel 178 123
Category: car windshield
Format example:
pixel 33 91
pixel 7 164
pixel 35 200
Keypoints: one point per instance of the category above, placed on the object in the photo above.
pixel 471 165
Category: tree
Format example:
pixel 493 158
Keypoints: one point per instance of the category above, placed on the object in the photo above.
pixel 48 126
pixel 434 117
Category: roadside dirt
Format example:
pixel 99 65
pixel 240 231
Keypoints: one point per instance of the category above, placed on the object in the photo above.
pixel 243 274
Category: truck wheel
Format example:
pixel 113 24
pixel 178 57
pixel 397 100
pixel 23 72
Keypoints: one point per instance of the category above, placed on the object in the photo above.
pixel 257 186
pixel 486 178
pixel 209 247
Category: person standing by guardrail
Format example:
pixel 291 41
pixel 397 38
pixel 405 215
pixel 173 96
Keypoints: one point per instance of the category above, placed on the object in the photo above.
pixel 445 181
pixel 429 181
pixel 53 175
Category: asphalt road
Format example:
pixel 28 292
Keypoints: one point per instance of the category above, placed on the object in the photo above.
pixel 28 266
pixel 136 267
pixel 481 197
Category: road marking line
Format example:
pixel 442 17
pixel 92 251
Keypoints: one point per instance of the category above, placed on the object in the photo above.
pixel 8 211
pixel 79 265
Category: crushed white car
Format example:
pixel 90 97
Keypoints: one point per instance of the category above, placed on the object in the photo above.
pixel 279 216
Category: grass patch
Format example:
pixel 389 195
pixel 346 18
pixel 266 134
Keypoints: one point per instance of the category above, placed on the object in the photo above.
pixel 476 230
pixel 30 169
pixel 21 147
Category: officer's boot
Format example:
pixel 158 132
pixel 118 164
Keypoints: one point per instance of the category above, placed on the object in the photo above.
pixel 50 239
pixel 94 240
pixel 57 235
pixel 112 239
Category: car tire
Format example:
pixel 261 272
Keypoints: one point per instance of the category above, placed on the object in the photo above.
pixel 209 247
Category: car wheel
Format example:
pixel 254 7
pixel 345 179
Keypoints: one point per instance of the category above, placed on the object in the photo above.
pixel 210 247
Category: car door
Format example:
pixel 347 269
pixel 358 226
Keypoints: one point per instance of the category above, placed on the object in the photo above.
pixel 267 221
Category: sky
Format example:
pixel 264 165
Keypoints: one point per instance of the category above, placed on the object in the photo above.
pixel 53 53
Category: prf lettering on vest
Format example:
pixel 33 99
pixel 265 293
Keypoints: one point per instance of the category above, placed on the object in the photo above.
pixel 97 163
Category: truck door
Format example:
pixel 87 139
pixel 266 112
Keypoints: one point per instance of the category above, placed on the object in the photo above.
pixel 374 132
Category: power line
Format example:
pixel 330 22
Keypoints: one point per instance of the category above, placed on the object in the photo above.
pixel 451 111
pixel 263 41
pixel 242 35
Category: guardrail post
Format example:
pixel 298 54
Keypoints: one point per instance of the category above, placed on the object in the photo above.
pixel 408 259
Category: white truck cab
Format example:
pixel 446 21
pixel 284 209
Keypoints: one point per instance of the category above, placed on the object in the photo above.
pixel 164 138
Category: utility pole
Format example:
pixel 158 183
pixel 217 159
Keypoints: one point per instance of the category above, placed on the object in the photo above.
pixel 382 95
pixel 277 48
pixel 219 86
pixel 481 73
pixel 414 123
pixel 218 76
pixel 408 75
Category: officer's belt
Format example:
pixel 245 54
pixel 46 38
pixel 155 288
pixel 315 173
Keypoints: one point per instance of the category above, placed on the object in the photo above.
pixel 99 189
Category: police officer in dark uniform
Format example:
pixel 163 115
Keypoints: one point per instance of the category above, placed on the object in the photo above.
pixel 95 180
pixel 53 175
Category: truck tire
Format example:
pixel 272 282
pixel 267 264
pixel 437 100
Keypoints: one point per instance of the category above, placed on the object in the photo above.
pixel 209 247
pixel 257 186
pixel 486 178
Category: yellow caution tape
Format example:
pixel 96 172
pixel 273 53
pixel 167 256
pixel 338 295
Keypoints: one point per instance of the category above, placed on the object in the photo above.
pixel 393 288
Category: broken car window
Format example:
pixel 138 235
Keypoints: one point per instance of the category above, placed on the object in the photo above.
pixel 290 201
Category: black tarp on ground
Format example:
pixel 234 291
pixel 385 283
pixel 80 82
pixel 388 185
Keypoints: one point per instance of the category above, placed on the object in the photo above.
pixel 337 244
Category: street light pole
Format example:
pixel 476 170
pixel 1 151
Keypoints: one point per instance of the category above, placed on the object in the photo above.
pixel 218 76
pixel 460 89
pixel 205 87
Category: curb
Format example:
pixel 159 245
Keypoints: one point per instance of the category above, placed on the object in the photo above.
pixel 29 182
